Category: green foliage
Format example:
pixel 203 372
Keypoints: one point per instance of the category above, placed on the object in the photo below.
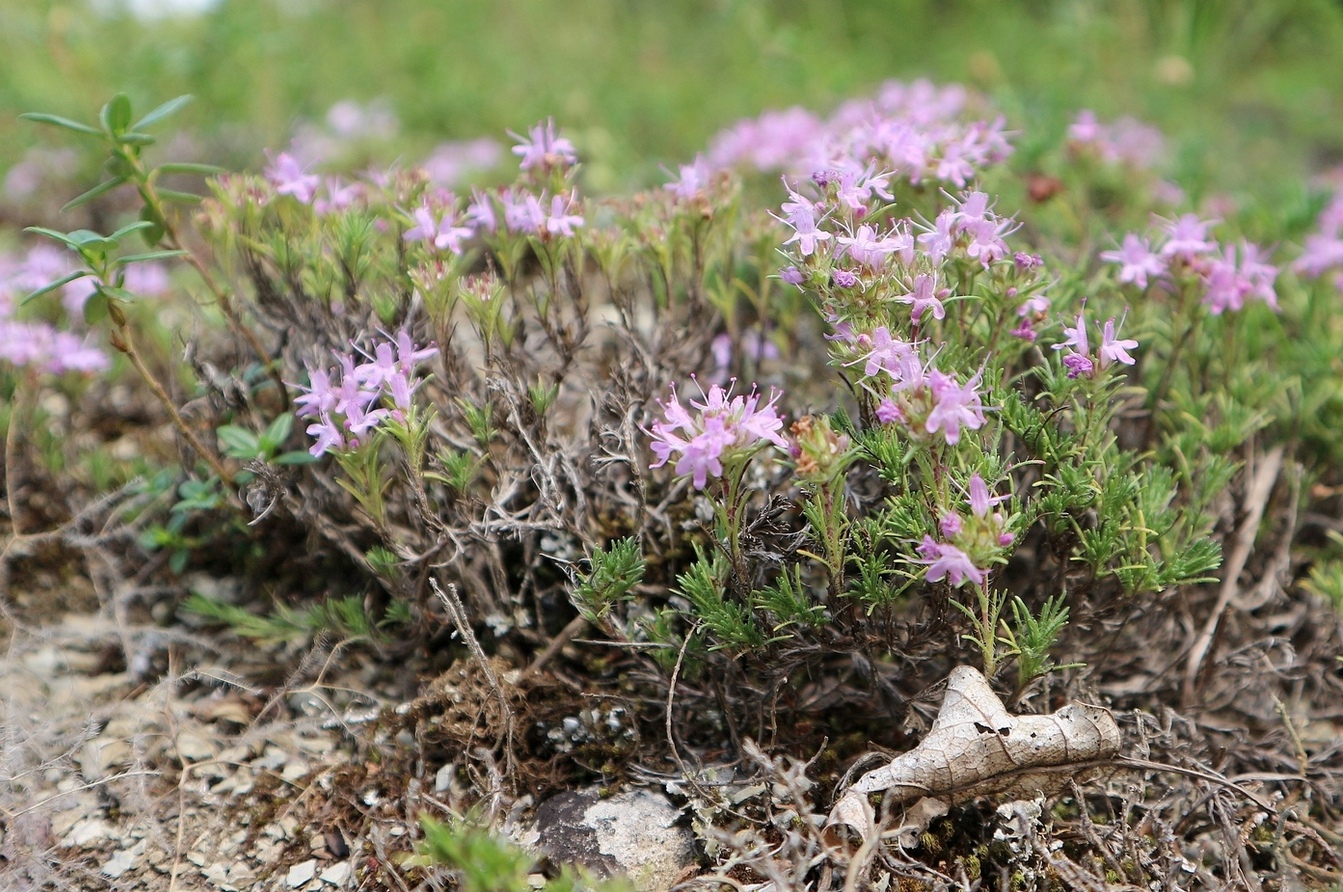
pixel 612 575
pixel 481 861
pixel 343 618
pixel 1031 637
pixel 729 624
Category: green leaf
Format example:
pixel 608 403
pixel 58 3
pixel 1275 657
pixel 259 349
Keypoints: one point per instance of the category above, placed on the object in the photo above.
pixel 116 293
pixel 150 255
pixel 172 106
pixel 52 286
pixel 116 115
pixel 129 228
pixel 138 139
pixel 182 197
pixel 208 170
pixel 277 432
pixel 58 121
pixel 55 235
pixel 93 193
pixel 296 458
pixel 95 308
pixel 239 442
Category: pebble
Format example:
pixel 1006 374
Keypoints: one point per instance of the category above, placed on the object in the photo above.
pixel 300 873
pixel 85 832
pixel 336 874
pixel 124 860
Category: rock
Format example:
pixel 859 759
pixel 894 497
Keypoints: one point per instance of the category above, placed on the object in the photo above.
pixel 336 874
pixel 635 833
pixel 124 860
pixel 86 832
pixel 193 748
pixel 301 873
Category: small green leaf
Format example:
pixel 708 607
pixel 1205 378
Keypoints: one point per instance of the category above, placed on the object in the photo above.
pixel 116 115
pixel 296 458
pixel 128 229
pixel 100 189
pixel 120 294
pixel 118 166
pixel 52 286
pixel 95 308
pixel 55 235
pixel 239 442
pixel 182 197
pixel 58 121
pixel 172 106
pixel 150 255
pixel 277 432
pixel 208 170
pixel 138 139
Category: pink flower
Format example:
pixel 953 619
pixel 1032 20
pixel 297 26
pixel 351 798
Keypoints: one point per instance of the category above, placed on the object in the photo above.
pixel 887 354
pixel 923 298
pixel 543 147
pixel 946 561
pixel 560 222
pixel 1112 349
pixel 1186 237
pixel 288 178
pixel 725 426
pixel 865 248
pixel 956 406
pixel 1137 261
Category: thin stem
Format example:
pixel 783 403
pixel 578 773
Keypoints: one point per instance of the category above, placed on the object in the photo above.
pixel 150 196
pixel 123 341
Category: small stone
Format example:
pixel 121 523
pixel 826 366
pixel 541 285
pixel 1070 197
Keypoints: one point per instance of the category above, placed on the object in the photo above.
pixel 336 874
pixel 123 861
pixel 217 874
pixel 194 749
pixel 301 873
pixel 637 833
pixel 197 858
pixel 295 770
pixel 86 832
pixel 443 778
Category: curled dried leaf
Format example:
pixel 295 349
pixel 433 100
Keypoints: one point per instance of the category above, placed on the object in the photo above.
pixel 977 748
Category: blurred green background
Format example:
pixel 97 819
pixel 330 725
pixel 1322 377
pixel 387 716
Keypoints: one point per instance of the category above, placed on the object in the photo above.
pixel 1253 86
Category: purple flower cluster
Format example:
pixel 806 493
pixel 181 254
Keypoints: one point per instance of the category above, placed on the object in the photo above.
pixel 917 132
pixel 1323 251
pixel 543 149
pixel 326 194
pixel 1126 141
pixel 1184 251
pixel 971 543
pixel 342 400
pixel 33 343
pixel 921 397
pixel 723 428
pixel 1079 360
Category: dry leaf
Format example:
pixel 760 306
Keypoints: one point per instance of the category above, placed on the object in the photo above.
pixel 976 748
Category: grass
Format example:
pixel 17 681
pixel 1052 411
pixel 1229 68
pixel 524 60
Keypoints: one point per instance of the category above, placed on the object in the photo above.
pixel 640 85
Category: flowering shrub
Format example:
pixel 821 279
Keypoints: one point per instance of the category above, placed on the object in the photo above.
pixel 505 432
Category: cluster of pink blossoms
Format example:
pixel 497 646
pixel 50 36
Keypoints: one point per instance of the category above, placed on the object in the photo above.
pixel 439 220
pixel 1323 250
pixel 1228 275
pixel 970 542
pixel 1126 141
pixel 1079 359
pixel 36 344
pixel 918 132
pixel 924 399
pixel 722 429
pixel 343 400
